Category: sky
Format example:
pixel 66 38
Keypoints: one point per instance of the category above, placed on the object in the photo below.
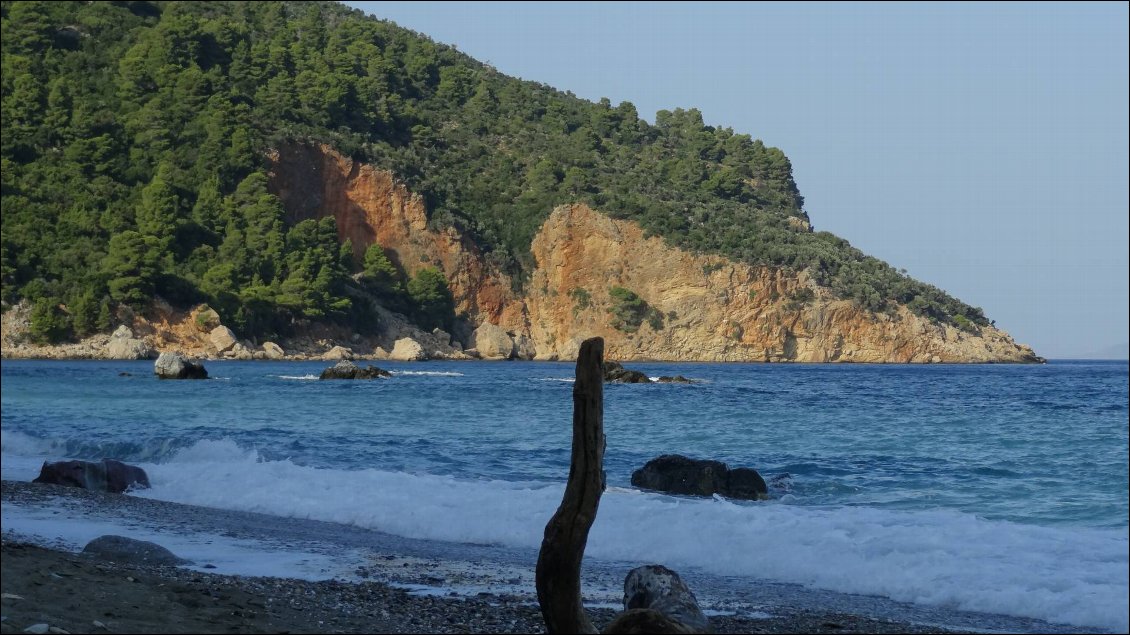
pixel 982 147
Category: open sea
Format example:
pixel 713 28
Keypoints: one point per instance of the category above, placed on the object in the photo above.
pixel 943 489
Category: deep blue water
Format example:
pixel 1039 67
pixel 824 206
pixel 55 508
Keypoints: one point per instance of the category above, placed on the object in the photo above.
pixel 1036 444
pixel 998 488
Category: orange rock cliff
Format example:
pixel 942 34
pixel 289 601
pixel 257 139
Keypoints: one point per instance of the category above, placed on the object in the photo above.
pixel 706 308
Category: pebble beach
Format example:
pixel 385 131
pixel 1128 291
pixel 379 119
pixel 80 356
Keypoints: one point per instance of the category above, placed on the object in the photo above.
pixel 53 588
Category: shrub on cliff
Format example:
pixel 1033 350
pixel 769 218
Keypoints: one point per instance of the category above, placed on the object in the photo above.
pixel 435 307
pixel 629 311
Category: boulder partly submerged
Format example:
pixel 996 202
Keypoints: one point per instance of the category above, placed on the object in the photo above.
pixel 106 476
pixel 677 379
pixel 177 366
pixel 614 372
pixel 346 369
pixel 677 474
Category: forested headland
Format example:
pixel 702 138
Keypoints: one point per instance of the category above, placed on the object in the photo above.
pixel 134 142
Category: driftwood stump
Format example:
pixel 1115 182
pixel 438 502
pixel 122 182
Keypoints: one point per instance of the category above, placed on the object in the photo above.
pixel 563 547
pixel 656 600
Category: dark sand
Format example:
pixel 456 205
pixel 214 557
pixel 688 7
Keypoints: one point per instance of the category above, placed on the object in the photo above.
pixel 79 593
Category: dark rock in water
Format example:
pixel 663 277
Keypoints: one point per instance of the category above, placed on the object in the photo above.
pixel 614 372
pixel 106 476
pixel 348 370
pixel 125 374
pixel 130 551
pixel 745 483
pixel 677 474
pixel 784 481
pixel 176 366
pixel 656 600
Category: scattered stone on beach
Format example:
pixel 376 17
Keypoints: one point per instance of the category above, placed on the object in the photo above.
pixel 107 476
pixel 677 474
pixel 177 366
pixel 346 369
pixel 125 550
pixel 656 588
pixel 614 372
pixel 37 629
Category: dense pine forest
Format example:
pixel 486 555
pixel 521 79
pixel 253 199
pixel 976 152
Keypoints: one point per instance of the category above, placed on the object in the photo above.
pixel 134 137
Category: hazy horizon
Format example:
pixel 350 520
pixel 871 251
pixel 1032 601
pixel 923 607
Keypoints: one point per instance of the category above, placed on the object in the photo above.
pixel 981 147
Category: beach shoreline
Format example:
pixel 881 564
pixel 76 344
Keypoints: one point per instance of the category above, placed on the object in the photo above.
pixel 51 584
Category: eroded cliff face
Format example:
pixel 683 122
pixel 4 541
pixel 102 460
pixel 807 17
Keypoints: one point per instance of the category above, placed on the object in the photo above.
pixel 713 309
pixel 370 206
pixel 705 308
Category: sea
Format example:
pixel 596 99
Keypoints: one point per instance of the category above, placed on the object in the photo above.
pixel 981 497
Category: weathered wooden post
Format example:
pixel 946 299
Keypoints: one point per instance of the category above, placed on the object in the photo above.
pixel 558 576
pixel 656 600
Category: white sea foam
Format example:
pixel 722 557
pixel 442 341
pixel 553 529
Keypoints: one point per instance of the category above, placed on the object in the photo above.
pixel 57 527
pixel 565 379
pixel 428 373
pixel 940 558
pixel 297 377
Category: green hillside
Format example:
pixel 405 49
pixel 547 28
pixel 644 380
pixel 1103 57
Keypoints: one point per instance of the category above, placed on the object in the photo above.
pixel 133 145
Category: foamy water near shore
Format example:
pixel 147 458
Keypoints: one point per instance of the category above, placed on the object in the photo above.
pixel 249 544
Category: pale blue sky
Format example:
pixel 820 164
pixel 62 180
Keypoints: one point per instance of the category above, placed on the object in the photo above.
pixel 982 147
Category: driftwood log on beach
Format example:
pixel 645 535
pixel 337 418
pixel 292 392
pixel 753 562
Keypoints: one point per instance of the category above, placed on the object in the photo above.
pixel 656 600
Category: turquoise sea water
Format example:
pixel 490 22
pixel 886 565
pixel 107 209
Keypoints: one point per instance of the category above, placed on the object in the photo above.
pixel 991 488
